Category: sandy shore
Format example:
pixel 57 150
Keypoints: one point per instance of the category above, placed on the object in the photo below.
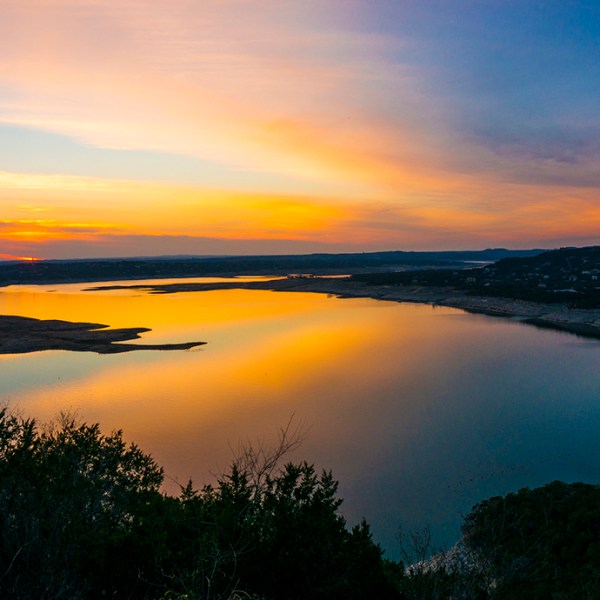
pixel 555 316
pixel 19 335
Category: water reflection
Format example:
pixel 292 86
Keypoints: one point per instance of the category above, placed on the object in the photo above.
pixel 419 411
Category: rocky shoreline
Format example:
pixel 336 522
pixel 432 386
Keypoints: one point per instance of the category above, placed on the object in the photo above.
pixel 19 335
pixel 583 322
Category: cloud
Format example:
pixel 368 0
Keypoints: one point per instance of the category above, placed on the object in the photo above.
pixel 272 90
pixel 298 121
pixel 117 215
pixel 114 246
pixel 42 230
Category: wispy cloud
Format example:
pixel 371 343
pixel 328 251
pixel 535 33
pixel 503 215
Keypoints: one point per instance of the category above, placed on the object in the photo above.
pixel 251 88
pixel 155 216
pixel 383 123
pixel 36 230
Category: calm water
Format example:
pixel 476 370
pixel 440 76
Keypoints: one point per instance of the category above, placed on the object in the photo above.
pixel 419 411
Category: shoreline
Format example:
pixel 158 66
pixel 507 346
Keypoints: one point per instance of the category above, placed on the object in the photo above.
pixel 582 322
pixel 98 338
pixel 577 321
pixel 558 316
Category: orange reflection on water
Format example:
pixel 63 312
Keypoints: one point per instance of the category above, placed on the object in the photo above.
pixel 255 353
pixel 165 314
pixel 268 356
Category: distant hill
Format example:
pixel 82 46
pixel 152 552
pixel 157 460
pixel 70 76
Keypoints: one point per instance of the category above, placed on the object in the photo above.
pixel 570 275
pixel 52 271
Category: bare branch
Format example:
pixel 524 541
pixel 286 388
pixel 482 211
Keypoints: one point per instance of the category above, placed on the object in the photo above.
pixel 258 462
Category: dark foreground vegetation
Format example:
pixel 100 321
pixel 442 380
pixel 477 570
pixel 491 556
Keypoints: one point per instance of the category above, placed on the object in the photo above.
pixel 82 516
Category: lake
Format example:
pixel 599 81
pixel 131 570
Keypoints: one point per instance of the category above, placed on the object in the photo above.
pixel 420 411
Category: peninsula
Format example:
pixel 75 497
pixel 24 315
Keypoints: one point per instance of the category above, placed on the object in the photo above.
pixel 562 316
pixel 19 335
pixel 558 289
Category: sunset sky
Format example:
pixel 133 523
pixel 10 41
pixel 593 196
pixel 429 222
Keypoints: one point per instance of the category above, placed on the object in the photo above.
pixel 147 127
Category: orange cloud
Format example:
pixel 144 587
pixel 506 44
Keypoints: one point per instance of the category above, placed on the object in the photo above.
pixel 188 88
pixel 339 139
pixel 468 215
pixel 86 208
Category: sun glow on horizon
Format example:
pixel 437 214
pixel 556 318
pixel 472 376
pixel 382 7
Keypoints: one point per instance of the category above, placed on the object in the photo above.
pixel 20 258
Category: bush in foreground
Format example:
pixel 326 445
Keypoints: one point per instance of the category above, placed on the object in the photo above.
pixel 82 516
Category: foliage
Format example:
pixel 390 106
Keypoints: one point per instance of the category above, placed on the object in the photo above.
pixel 82 516
pixel 70 500
pixel 540 543
pixel 568 275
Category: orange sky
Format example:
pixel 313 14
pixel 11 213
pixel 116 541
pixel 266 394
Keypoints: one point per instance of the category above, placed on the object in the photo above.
pixel 143 128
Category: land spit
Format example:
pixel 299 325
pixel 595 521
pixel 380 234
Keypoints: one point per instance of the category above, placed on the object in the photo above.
pixel 19 335
pixel 584 322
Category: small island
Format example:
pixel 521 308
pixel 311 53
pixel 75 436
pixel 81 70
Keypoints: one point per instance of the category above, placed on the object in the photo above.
pixel 19 335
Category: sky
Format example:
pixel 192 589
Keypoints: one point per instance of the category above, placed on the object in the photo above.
pixel 145 127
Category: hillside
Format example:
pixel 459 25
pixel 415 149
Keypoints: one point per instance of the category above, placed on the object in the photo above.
pixel 568 275
pixel 53 271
